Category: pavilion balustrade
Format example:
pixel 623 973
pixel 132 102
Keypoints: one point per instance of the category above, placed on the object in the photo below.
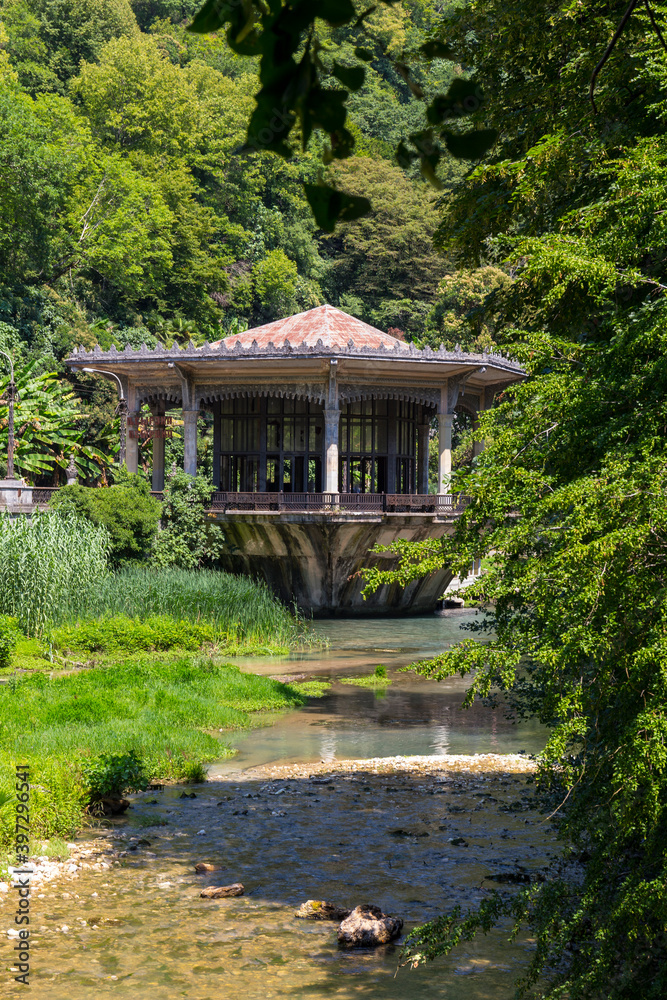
pixel 224 501
pixel 229 502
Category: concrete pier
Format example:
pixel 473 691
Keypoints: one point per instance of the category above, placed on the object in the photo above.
pixel 314 560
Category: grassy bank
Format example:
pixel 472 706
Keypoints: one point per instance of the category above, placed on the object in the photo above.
pixel 140 609
pixel 163 712
pixel 239 611
pixel 56 585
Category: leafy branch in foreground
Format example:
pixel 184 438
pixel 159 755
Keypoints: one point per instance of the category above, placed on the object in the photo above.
pixel 569 496
pixel 303 88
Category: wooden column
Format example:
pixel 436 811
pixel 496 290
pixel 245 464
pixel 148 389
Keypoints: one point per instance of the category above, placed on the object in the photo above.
pixel 445 421
pixel 263 408
pixel 190 441
pixel 217 407
pixel 159 429
pixel 391 445
pixel 331 426
pixel 331 430
pixel 422 453
pixel 132 429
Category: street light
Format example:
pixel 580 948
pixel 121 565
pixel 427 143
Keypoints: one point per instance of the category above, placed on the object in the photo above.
pixel 122 410
pixel 11 393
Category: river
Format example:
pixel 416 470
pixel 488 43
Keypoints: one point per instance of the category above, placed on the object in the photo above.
pixel 411 842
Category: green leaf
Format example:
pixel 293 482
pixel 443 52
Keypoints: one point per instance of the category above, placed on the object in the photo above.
pixel 404 156
pixel 471 145
pixel 330 206
pixel 463 98
pixel 212 16
pixel 335 12
pixel 351 77
pixel 325 109
pixel 437 50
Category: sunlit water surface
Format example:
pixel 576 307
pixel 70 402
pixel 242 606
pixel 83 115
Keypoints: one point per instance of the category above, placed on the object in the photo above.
pixel 140 929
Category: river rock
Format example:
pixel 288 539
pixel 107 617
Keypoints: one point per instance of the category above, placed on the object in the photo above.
pixel 319 909
pixel 367 927
pixel 221 891
pixel 203 866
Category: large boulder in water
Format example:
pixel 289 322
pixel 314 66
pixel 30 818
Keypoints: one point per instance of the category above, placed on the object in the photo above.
pixel 367 927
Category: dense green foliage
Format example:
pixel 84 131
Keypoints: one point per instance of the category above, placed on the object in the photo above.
pixel 158 712
pixel 46 422
pixel 118 633
pixel 9 637
pixel 126 510
pixel 47 564
pixel 56 582
pixel 113 774
pixel 189 538
pixel 569 494
pixel 302 90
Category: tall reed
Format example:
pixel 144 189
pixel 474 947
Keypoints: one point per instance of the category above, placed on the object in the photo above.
pixel 238 606
pixel 47 562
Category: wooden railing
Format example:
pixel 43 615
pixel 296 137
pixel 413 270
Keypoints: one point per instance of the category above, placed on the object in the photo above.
pixel 363 503
pixel 348 503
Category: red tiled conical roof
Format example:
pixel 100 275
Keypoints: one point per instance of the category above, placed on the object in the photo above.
pixel 332 326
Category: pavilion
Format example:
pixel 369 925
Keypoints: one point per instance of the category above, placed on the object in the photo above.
pixel 315 412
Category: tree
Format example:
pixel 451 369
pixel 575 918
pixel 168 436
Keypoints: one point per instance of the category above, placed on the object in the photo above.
pixel 465 310
pixel 274 282
pixel 48 39
pixel 311 94
pixel 569 491
pixel 46 418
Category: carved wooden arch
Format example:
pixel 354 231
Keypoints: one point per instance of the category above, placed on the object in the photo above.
pixel 314 393
pixel 151 395
pixel 467 407
pixel 409 394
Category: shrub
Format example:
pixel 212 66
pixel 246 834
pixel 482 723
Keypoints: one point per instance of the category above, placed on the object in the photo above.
pixel 127 511
pixel 9 637
pixel 108 635
pixel 47 562
pixel 112 774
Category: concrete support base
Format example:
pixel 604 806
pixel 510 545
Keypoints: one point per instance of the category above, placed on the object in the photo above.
pixel 313 560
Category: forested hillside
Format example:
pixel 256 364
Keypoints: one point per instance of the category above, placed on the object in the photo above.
pixel 127 214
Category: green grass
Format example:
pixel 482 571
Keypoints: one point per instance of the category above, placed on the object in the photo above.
pixel 30 654
pixel 55 848
pixel 132 635
pixel 378 679
pixel 165 712
pixel 312 689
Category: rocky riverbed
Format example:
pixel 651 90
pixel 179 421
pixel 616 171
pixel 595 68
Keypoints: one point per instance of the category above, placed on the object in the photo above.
pixel 413 835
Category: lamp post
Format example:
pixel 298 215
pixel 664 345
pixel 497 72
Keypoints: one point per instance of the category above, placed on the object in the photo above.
pixel 122 411
pixel 11 394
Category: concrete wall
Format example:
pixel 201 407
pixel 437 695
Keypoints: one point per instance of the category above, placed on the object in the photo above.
pixel 314 559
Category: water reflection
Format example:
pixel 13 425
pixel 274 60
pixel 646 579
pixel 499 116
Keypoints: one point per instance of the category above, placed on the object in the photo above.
pixel 411 716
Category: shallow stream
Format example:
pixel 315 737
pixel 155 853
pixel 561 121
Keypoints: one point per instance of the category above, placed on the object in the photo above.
pixel 139 928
